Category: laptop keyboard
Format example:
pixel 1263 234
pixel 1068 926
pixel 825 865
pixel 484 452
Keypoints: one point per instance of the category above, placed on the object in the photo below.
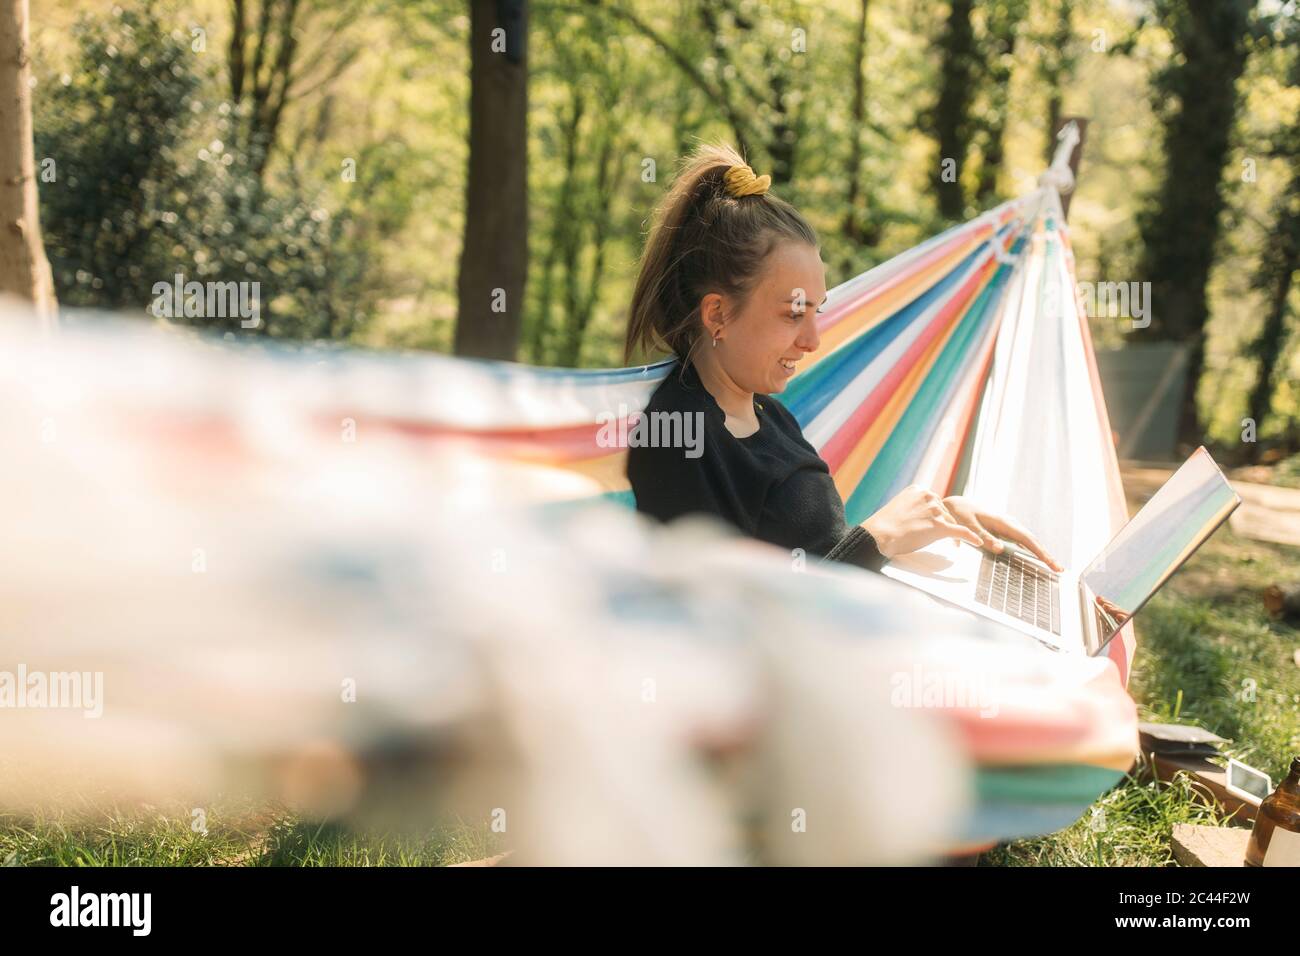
pixel 1021 589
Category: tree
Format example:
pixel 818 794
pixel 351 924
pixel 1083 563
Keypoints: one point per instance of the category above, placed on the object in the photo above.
pixel 118 131
pixel 267 69
pixel 591 136
pixel 1002 26
pixel 1196 98
pixel 762 89
pixel 1058 57
pixel 24 270
pixel 1275 276
pixel 494 256
pixel 751 81
pixel 971 109
pixel 859 227
pixel 147 188
pixel 949 121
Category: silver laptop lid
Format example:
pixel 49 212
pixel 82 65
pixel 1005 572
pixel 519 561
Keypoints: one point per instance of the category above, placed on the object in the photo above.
pixel 1151 547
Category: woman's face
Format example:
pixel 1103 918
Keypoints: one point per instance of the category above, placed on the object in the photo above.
pixel 763 340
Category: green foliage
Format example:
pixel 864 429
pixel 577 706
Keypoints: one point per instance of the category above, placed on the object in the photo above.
pixel 646 81
pixel 147 189
pixel 1287 472
pixel 114 131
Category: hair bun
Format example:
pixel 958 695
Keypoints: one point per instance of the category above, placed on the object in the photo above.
pixel 741 181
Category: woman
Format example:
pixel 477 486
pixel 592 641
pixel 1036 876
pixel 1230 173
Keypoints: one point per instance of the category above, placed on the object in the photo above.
pixel 726 280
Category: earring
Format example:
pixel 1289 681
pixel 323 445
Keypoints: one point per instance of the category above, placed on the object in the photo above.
pixel 715 341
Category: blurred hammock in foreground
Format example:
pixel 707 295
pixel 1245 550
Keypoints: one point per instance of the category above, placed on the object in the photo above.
pixel 290 599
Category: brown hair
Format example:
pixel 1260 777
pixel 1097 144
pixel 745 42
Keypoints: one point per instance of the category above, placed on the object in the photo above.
pixel 703 239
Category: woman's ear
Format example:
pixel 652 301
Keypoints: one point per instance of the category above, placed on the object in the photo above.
pixel 711 313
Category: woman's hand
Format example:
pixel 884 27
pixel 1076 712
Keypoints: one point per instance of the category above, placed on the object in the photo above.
pixel 913 518
pixel 916 517
pixel 982 523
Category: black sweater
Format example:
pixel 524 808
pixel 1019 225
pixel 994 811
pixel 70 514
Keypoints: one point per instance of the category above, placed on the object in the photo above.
pixel 772 485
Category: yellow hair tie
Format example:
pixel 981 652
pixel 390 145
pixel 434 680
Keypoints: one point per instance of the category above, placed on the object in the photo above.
pixel 741 181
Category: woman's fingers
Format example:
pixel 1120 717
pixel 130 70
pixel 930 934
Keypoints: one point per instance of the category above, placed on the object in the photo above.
pixel 1032 544
pixel 983 523
pixel 967 519
pixel 1013 531
pixel 917 516
pixel 957 530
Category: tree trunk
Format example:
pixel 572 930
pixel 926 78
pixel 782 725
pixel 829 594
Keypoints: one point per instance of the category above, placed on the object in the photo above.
pixel 24 270
pixel 494 258
pixel 858 226
pixel 1268 349
pixel 1275 277
pixel 1181 231
pixel 951 117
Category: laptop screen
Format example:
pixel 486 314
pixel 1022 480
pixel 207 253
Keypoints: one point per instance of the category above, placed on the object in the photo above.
pixel 1159 538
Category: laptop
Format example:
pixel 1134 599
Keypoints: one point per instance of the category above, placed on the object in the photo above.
pixel 1080 611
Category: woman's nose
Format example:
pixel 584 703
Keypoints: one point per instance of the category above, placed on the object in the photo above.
pixel 809 338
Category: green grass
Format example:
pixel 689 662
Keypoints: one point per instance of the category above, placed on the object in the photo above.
pixel 151 837
pixel 1129 826
pixel 1287 472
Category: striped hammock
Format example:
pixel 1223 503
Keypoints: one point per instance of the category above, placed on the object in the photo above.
pixel 964 364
